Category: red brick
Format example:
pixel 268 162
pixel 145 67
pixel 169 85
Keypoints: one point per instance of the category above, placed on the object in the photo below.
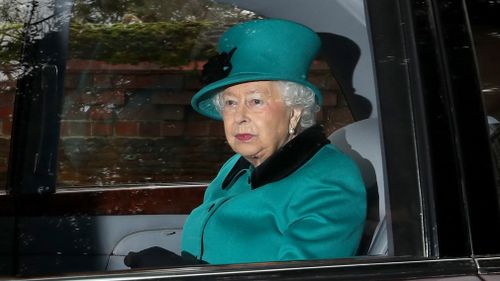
pixel 149 129
pixel 3 168
pixel 102 80
pixel 127 128
pixel 171 97
pixel 9 85
pixel 70 95
pixel 217 129
pixel 76 112
pixel 71 128
pixel 6 111
pixel 120 81
pixel 99 113
pixel 329 98
pixel 6 126
pixel 172 128
pixel 64 130
pixel 323 80
pixel 141 81
pixel 86 99
pixel 75 65
pixel 169 81
pixel 102 129
pixel 151 112
pixel 192 82
pixel 193 65
pixel 71 81
pixel 7 99
pixel 319 65
pixel 116 97
pixel 192 115
pixel 199 128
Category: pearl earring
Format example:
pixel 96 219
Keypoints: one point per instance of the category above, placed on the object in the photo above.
pixel 291 131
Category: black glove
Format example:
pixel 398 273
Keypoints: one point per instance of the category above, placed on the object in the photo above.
pixel 153 257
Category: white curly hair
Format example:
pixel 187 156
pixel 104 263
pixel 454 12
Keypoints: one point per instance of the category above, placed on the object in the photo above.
pixel 294 95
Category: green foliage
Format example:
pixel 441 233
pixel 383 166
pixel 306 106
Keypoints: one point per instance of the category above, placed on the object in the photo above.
pixel 99 11
pixel 165 32
pixel 164 43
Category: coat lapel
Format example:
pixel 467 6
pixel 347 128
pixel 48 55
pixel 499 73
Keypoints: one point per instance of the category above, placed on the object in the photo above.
pixel 283 162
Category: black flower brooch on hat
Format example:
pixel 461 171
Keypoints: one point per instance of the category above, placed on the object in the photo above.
pixel 217 67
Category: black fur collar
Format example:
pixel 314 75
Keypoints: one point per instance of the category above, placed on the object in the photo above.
pixel 283 162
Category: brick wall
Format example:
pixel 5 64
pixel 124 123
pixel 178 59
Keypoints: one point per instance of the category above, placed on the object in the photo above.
pixel 7 95
pixel 134 123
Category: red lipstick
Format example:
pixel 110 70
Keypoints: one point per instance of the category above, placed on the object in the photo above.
pixel 244 137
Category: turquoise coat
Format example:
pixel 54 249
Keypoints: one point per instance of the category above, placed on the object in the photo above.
pixel 306 201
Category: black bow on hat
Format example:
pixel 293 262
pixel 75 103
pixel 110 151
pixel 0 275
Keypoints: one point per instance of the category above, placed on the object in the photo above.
pixel 217 67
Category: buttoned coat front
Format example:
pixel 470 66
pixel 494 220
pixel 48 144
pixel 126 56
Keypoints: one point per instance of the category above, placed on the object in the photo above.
pixel 306 201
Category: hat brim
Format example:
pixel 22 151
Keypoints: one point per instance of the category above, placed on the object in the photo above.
pixel 202 100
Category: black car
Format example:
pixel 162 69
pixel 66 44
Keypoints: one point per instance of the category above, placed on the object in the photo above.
pixel 102 153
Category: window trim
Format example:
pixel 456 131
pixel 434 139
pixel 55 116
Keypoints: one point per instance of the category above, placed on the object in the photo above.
pixel 340 269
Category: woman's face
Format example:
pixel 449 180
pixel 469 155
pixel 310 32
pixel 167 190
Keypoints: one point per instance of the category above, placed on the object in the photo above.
pixel 256 119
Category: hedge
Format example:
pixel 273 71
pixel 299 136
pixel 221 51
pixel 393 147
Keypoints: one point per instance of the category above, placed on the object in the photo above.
pixel 164 43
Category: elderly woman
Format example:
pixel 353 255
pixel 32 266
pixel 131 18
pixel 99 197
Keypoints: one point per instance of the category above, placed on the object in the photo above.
pixel 287 193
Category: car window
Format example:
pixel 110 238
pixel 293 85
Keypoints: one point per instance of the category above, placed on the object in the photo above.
pixel 130 75
pixel 131 70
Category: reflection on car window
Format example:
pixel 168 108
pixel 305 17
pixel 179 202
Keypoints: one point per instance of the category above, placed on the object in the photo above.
pixel 131 73
pixel 12 17
pixel 24 26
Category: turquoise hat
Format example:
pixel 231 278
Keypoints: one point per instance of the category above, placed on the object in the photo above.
pixel 258 50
